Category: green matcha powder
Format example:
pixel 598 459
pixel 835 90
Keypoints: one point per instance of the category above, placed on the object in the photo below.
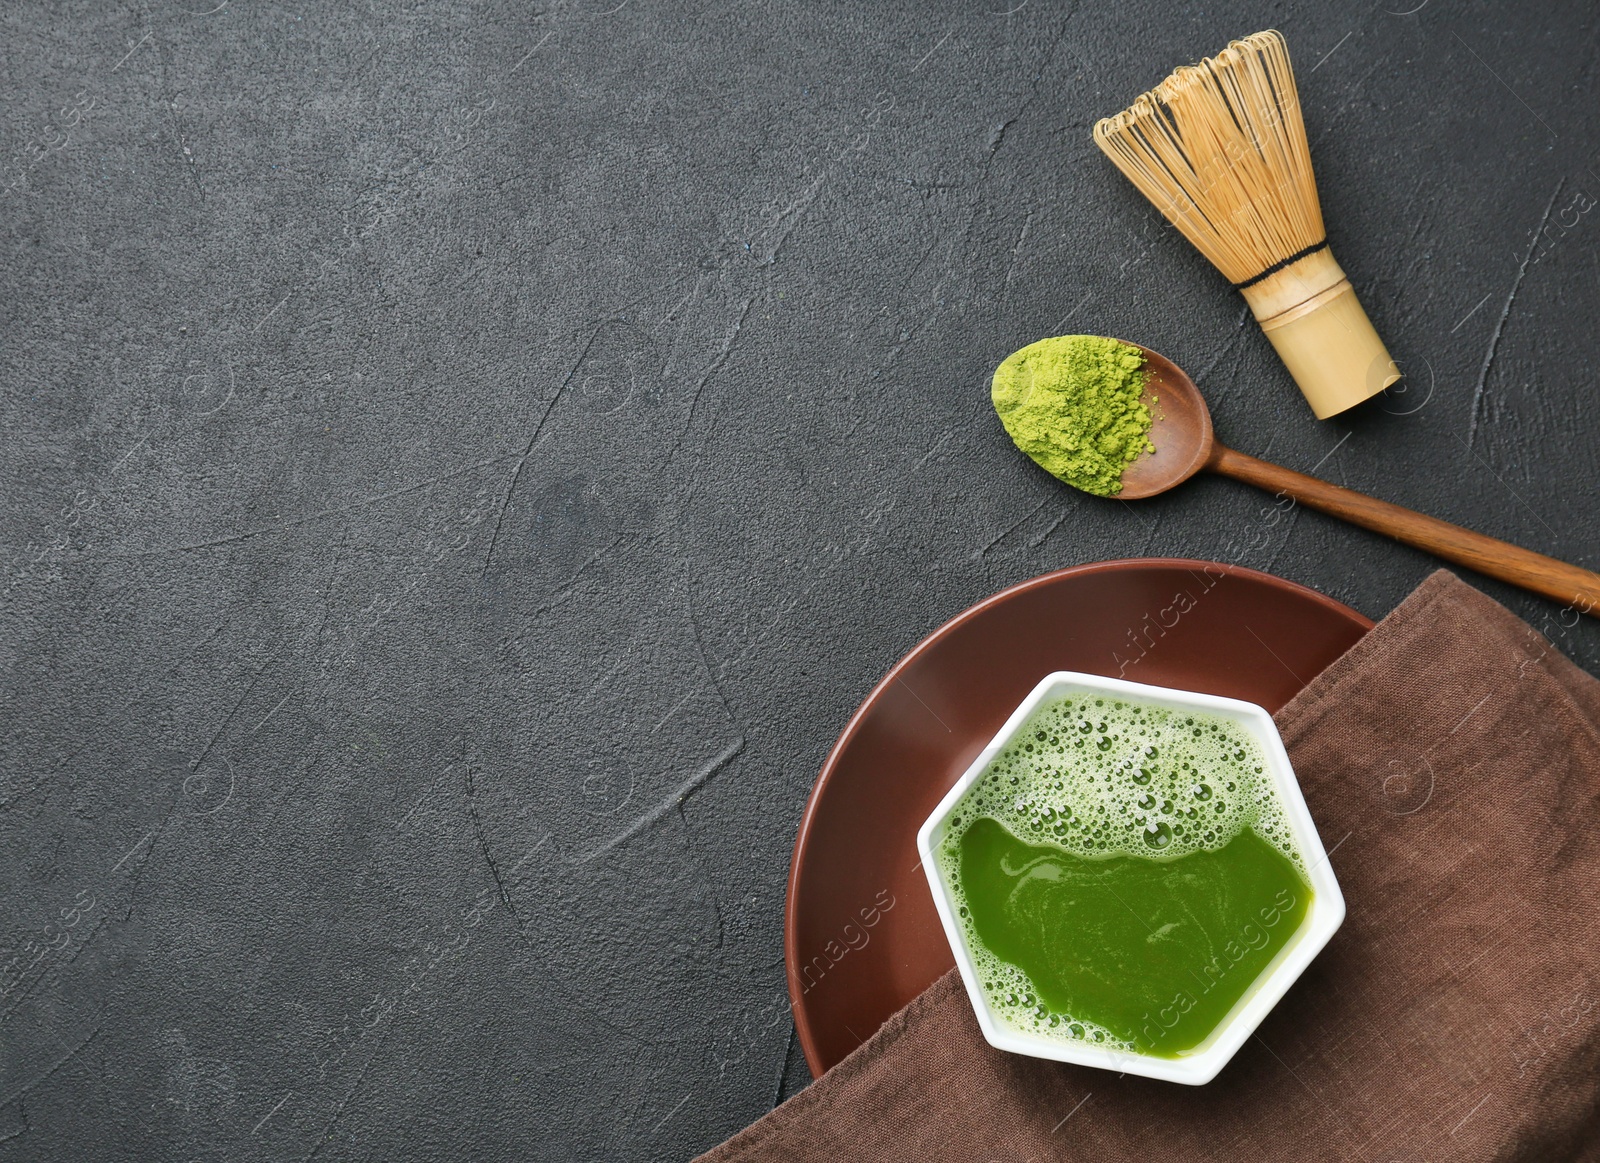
pixel 1072 403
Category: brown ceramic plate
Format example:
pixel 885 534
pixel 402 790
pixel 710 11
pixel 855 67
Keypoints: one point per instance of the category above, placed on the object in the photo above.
pixel 861 936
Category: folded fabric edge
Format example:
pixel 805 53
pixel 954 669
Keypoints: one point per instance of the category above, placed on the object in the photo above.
pixel 1577 690
pixel 1296 716
pixel 821 1092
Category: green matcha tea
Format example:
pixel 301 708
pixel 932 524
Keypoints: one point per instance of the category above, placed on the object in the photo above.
pixel 1124 874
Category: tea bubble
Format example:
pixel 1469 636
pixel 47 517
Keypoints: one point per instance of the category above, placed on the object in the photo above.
pixel 1157 835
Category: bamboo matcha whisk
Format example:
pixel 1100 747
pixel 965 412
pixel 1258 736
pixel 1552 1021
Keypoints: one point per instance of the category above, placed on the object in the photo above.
pixel 1220 148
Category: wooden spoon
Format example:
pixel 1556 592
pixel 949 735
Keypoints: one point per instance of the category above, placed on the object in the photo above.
pixel 1185 444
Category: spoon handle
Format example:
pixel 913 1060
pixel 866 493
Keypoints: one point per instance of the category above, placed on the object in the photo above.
pixel 1568 584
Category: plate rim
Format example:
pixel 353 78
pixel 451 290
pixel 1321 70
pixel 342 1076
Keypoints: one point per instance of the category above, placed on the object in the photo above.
pixel 802 1024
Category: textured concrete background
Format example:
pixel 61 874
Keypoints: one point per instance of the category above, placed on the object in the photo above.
pixel 464 464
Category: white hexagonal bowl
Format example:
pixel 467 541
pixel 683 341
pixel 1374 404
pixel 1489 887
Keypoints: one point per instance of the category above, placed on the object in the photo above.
pixel 1324 917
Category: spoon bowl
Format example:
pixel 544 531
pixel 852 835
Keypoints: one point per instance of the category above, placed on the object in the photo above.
pixel 1180 430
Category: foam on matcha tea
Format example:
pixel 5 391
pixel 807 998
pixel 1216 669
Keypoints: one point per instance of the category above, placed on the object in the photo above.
pixel 1124 873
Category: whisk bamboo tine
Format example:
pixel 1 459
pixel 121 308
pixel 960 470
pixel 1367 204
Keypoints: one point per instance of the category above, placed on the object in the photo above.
pixel 1220 149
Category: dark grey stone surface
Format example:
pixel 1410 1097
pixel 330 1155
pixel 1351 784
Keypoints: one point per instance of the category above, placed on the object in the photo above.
pixel 464 463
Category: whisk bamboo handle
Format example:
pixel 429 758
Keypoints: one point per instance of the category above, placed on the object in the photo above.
pixel 1576 588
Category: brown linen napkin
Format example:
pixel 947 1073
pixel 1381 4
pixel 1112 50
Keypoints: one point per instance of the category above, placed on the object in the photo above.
pixel 1452 761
